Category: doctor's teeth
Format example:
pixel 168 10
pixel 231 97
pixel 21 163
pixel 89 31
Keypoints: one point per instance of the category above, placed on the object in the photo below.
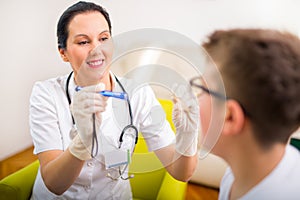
pixel 99 62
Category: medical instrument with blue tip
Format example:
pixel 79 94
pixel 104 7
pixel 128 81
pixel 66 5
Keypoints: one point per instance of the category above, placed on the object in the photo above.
pixel 129 129
pixel 106 93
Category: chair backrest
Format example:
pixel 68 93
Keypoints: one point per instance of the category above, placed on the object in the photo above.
pixel 295 142
pixel 18 186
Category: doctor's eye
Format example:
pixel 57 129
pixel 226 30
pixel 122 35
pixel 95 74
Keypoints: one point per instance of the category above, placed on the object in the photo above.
pixel 83 42
pixel 104 39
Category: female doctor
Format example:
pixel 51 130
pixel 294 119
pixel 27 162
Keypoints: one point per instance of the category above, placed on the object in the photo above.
pixel 68 169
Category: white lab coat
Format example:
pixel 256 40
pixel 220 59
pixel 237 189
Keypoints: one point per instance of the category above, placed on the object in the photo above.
pixel 51 122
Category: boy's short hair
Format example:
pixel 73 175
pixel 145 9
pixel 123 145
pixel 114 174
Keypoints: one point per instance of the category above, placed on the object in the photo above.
pixel 261 70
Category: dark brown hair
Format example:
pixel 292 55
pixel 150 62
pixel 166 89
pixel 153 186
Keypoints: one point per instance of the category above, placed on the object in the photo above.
pixel 65 19
pixel 261 70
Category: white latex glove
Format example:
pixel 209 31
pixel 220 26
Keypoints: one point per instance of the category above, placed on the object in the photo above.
pixel 185 117
pixel 86 102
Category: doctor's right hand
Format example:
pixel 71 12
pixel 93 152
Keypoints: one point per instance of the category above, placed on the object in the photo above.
pixel 86 102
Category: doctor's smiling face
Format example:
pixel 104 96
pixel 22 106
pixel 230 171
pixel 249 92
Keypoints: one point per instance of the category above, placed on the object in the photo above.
pixel 89 48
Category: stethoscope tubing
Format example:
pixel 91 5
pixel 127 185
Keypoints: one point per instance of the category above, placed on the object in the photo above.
pixel 122 95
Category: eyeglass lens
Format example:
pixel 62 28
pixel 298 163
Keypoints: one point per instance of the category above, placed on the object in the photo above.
pixel 196 82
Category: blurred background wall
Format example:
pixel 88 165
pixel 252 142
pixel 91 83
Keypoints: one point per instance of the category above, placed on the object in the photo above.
pixel 28 50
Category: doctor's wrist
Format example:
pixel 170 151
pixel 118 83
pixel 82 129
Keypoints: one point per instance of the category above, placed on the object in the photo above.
pixel 79 150
pixel 187 143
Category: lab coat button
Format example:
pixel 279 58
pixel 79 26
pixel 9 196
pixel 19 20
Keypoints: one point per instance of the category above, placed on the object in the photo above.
pixel 87 187
pixel 90 164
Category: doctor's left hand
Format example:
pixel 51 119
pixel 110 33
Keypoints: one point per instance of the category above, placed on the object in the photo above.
pixel 85 103
pixel 185 116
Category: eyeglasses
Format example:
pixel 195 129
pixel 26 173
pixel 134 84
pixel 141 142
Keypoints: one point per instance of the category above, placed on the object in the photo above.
pixel 198 87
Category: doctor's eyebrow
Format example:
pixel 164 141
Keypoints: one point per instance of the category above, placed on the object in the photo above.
pixel 85 35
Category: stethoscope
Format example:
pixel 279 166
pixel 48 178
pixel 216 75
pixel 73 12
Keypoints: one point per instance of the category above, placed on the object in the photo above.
pixel 127 129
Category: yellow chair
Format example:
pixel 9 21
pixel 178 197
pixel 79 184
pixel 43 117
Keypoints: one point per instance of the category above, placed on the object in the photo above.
pixel 151 180
pixel 18 186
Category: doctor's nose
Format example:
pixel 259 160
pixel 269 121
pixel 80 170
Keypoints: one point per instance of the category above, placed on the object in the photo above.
pixel 96 48
pixel 102 46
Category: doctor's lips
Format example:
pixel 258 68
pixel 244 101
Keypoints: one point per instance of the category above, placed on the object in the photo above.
pixel 95 63
pixel 106 93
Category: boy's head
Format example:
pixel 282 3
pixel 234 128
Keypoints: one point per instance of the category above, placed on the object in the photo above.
pixel 261 71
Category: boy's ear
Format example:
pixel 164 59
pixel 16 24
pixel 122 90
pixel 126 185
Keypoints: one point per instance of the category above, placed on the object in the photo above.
pixel 234 118
pixel 63 55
